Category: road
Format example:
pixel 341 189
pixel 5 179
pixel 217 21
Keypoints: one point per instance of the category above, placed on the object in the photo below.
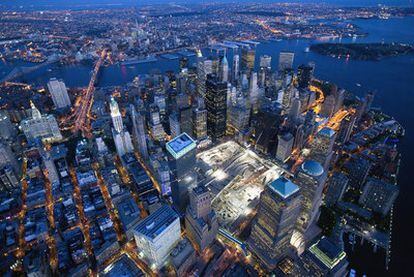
pixel 84 222
pixel 79 120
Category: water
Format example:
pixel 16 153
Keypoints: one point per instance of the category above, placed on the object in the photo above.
pixel 391 78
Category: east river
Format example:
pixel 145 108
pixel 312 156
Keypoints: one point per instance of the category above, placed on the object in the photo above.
pixel 391 78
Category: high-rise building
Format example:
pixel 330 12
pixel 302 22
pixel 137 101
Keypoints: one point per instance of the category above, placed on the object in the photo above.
pixel 174 124
pixel 7 130
pixel 236 69
pixel 266 62
pixel 294 111
pixel 59 93
pixel 185 119
pixel 357 169
pixel 182 150
pixel 116 116
pixel 378 196
pixel 201 221
pixel 286 60
pixel 248 55
pixel 204 67
pixel 200 123
pixel 138 133
pixel 224 69
pixel 7 157
pixel 279 207
pixel 216 103
pixel 311 179
pixel 337 185
pixel 322 146
pixel 324 258
pixel 254 92
pixel 346 128
pixel 305 75
pixel 156 129
pixel 157 235
pixel 284 146
pixel 328 106
pixel 40 126
pixel 122 138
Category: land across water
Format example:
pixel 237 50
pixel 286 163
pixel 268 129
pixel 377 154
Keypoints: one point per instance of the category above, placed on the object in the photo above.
pixel 362 51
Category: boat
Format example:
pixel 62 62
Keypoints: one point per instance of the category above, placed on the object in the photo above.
pixel 307 50
pixel 358 85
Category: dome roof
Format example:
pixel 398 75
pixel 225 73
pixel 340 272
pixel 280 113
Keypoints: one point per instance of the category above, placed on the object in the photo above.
pixel 312 168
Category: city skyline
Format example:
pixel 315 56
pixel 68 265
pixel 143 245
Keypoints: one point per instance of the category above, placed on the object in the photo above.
pixel 181 139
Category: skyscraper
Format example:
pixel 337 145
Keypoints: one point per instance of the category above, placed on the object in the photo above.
pixel 7 130
pixel 216 98
pixel 7 157
pixel 286 60
pixel 322 146
pixel 201 221
pixel 311 179
pixel 40 126
pixel 272 228
pixel 200 123
pixel 122 138
pixel 346 128
pixel 224 69
pixel 59 93
pixel 305 75
pixel 247 59
pixel 284 146
pixel 138 133
pixel 236 69
pixel 116 116
pixel 337 185
pixel 254 92
pixel 157 234
pixel 265 62
pixel 182 150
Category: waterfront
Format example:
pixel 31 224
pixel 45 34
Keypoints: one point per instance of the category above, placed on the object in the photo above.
pixel 392 79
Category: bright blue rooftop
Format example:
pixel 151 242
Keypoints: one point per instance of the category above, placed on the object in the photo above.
pixel 312 168
pixel 181 145
pixel 283 187
pixel 328 132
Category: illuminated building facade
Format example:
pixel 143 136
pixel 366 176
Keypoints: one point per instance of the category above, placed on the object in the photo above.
pixel 40 126
pixel 216 104
pixel 201 221
pixel 272 229
pixel 182 151
pixel 157 235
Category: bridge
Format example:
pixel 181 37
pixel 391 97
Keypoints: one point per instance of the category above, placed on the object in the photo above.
pixel 230 237
pixel 79 120
pixel 23 70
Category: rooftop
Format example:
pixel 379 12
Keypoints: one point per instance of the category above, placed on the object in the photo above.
pixel 327 252
pixel 157 222
pixel 312 168
pixel 283 187
pixel 327 132
pixel 180 145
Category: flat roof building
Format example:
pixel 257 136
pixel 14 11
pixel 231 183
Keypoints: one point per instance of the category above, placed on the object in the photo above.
pixel 157 235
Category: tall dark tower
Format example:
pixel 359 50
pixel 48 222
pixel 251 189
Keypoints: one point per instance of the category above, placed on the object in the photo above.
pixel 216 104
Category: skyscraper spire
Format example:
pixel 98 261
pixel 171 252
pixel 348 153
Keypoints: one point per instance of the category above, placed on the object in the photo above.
pixel 116 116
pixel 35 112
